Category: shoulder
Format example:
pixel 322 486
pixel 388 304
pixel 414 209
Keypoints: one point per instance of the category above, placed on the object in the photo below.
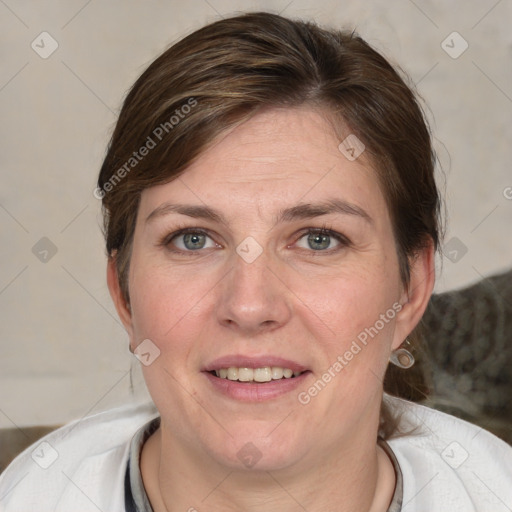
pixel 450 464
pixel 80 465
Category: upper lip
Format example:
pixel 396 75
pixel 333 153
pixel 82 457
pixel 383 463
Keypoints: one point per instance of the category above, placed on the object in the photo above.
pixel 241 361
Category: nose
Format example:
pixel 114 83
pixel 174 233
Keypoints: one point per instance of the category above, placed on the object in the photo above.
pixel 253 297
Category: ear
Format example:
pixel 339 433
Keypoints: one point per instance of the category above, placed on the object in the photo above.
pixel 415 297
pixel 123 309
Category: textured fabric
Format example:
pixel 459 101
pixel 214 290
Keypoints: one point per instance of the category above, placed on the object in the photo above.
pixel 467 339
pixel 446 464
pixel 88 472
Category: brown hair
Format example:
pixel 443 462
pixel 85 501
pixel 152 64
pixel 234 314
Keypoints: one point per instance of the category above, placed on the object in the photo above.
pixel 224 73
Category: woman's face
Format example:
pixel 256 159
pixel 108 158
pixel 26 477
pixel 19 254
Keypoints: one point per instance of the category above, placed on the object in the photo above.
pixel 288 262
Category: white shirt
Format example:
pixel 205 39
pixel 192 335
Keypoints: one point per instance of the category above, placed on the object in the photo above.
pixel 447 465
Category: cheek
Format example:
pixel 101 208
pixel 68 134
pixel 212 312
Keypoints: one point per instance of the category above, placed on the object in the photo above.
pixel 167 304
pixel 348 301
pixel 361 318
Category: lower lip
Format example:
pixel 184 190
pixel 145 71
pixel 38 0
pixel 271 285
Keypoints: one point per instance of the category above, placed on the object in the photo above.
pixel 254 391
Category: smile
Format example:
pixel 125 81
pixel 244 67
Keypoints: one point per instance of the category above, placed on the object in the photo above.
pixel 251 378
pixel 264 374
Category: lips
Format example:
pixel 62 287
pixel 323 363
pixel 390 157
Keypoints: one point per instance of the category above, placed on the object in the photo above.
pixel 237 361
pixel 254 379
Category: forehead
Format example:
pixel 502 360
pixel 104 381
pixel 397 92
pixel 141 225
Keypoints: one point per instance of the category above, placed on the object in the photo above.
pixel 277 158
pixel 277 142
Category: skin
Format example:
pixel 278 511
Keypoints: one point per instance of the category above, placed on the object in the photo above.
pixel 297 302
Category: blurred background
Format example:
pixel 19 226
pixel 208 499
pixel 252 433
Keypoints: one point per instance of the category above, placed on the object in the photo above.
pixel 65 68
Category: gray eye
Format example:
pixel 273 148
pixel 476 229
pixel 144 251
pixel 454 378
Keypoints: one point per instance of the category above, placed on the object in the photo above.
pixel 318 241
pixel 193 241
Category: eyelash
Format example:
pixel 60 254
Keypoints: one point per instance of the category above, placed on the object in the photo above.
pixel 324 230
pixel 343 241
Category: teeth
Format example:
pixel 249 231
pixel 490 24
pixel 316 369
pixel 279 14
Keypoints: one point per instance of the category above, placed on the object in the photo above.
pixel 265 374
pixel 277 372
pixel 245 374
pixel 287 373
pixel 232 374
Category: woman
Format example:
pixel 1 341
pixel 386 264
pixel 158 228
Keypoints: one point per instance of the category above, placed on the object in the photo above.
pixel 271 219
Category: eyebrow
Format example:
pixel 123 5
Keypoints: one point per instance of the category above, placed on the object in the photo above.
pixel 311 210
pixel 298 212
pixel 195 211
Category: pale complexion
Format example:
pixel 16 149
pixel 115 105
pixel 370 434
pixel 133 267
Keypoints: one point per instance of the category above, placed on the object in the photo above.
pixel 302 299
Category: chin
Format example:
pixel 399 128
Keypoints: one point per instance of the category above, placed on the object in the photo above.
pixel 258 448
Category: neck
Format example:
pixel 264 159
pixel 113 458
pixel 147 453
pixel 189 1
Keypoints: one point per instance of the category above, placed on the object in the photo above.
pixel 358 478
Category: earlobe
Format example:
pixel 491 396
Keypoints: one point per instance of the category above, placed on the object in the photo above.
pixel 123 309
pixel 416 296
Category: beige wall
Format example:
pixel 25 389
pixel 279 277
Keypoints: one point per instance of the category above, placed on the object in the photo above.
pixel 63 351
